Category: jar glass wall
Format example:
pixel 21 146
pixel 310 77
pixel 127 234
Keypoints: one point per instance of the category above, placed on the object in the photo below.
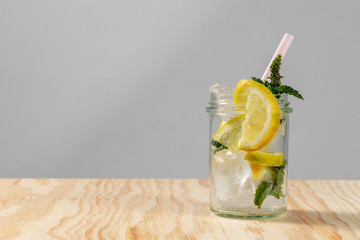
pixel 241 188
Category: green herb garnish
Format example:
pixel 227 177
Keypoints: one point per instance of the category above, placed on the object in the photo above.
pixel 276 191
pixel 218 146
pixel 275 85
pixel 274 188
pixel 271 188
pixel 262 192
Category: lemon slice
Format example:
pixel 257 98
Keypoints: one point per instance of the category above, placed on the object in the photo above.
pixel 263 115
pixel 229 132
pixel 271 159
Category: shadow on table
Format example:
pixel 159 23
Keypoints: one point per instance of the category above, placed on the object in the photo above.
pixel 313 217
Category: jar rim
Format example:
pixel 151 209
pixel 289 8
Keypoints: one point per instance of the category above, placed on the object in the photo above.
pixel 227 107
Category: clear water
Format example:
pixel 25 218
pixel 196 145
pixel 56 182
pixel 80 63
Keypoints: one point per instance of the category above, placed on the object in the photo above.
pixel 232 187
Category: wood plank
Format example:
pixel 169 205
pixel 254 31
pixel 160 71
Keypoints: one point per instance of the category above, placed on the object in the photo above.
pixel 167 209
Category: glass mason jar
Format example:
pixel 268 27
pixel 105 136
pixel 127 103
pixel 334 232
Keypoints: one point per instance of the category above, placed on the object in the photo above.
pixel 239 188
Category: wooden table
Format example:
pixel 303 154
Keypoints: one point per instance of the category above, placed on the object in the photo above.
pixel 167 209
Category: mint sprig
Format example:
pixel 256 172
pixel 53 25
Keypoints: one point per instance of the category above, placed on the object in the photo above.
pixel 275 85
pixel 271 188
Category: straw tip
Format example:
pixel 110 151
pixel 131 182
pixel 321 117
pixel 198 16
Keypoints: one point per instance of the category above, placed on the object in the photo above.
pixel 289 35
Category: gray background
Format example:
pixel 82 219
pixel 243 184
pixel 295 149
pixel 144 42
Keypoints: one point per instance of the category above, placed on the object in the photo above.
pixel 119 88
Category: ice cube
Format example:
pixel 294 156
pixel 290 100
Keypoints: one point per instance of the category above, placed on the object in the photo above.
pixel 232 179
pixel 222 98
pixel 220 93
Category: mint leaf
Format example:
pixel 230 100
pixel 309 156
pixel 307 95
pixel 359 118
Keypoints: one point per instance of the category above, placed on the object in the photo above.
pixel 289 90
pixel 271 188
pixel 215 143
pixel 257 80
pixel 262 192
pixel 273 89
pixel 275 85
pixel 219 146
pixel 276 191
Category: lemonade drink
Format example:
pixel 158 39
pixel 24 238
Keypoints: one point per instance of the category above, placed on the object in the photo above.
pixel 249 128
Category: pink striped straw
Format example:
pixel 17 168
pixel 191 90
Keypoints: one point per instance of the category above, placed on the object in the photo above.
pixel 282 49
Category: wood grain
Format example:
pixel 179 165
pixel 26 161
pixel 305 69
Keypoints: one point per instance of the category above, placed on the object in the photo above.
pixel 167 209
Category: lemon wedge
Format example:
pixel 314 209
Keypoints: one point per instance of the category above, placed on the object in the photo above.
pixel 263 115
pixel 258 170
pixel 261 172
pixel 270 159
pixel 229 132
